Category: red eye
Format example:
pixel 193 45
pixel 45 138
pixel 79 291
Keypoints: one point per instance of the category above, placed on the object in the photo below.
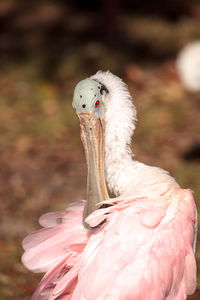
pixel 97 103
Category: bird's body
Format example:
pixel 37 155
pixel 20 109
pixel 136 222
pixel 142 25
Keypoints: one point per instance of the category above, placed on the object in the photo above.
pixel 139 245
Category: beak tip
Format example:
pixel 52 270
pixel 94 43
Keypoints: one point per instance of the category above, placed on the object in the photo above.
pixel 86 225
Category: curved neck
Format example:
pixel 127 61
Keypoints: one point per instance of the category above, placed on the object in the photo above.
pixel 122 173
pixel 120 117
pixel 118 161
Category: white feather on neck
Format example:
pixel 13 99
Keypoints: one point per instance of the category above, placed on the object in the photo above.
pixel 123 174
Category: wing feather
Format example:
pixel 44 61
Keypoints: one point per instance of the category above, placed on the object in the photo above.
pixel 145 251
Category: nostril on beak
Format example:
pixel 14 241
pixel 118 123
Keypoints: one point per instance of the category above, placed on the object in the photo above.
pixel 84 105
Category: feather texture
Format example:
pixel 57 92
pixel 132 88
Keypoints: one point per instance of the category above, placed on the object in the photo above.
pixel 136 254
pixel 144 249
pixel 122 173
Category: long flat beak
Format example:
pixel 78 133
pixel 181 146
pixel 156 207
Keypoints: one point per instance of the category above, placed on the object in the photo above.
pixel 93 138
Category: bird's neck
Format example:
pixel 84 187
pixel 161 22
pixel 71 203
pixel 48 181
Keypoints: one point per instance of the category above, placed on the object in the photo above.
pixel 125 175
pixel 120 118
pixel 118 165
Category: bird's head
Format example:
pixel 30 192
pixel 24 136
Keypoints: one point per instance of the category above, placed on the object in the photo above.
pixel 88 98
pixel 107 119
pixel 88 101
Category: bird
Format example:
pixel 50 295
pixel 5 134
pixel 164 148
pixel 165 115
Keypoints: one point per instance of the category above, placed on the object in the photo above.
pixel 138 244
pixel 188 66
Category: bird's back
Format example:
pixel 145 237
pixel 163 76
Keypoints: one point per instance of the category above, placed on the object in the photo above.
pixel 145 251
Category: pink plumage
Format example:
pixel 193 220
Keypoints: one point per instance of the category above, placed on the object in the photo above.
pixel 137 246
pixel 136 254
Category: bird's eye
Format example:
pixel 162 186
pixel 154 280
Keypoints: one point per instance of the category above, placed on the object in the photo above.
pixel 97 103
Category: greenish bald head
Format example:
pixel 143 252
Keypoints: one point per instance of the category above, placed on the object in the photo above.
pixel 88 101
pixel 88 97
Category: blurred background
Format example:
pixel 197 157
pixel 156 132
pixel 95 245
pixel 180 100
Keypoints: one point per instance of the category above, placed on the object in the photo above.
pixel 46 47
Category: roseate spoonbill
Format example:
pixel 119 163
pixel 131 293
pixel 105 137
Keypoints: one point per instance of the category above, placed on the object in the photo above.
pixel 188 66
pixel 137 246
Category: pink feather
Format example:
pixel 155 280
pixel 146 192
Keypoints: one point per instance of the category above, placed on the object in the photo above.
pixel 143 251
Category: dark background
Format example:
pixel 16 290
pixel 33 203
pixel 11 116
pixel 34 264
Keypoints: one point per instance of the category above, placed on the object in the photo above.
pixel 46 47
